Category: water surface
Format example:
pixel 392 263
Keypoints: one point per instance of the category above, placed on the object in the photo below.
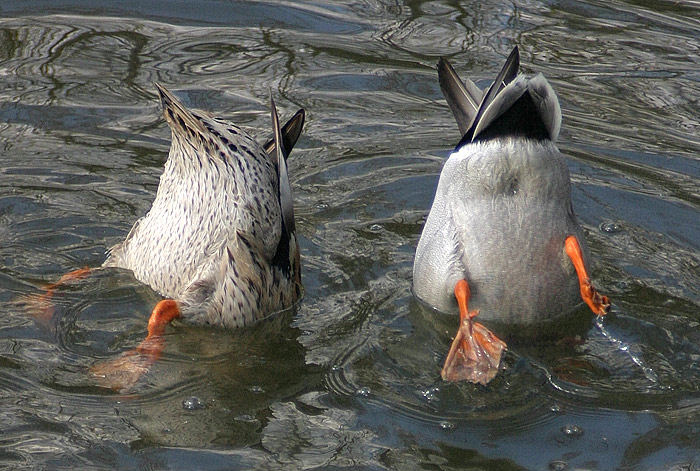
pixel 350 379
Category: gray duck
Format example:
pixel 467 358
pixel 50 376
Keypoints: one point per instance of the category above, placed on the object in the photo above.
pixel 501 239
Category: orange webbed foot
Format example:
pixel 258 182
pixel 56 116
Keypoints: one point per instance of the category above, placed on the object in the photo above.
pixel 475 352
pixel 122 373
pixel 599 304
pixel 40 307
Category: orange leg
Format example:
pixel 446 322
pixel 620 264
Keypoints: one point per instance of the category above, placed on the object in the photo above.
pixel 124 371
pixel 598 303
pixel 40 306
pixel 475 352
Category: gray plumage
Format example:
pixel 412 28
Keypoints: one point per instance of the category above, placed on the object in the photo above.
pixel 219 237
pixel 502 208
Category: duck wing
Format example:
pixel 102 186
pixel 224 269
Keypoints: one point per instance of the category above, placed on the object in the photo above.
pixel 290 133
pixel 508 72
pixel 285 190
pixel 463 98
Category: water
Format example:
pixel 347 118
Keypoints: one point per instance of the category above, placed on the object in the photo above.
pixel 350 379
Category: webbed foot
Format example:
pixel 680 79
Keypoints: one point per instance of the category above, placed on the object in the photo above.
pixel 122 373
pixel 475 352
pixel 40 306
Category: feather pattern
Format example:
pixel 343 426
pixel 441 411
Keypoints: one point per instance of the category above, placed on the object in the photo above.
pixel 217 221
pixel 463 98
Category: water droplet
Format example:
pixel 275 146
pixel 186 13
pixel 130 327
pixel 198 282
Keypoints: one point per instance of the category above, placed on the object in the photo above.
pixel 572 430
pixel 336 368
pixel 447 425
pixel 257 389
pixel 610 227
pixel 364 392
pixel 193 403
pixel 558 465
pixel 556 408
pixel 375 228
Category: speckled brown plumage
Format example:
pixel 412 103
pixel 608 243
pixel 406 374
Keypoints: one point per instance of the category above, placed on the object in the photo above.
pixel 220 236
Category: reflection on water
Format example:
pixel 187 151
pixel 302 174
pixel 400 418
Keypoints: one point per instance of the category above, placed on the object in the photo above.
pixel 351 378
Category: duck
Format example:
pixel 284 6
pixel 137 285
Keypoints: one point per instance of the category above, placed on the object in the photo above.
pixel 219 241
pixel 501 240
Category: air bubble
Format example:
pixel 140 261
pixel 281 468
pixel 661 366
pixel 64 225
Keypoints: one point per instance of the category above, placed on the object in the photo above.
pixel 447 425
pixel 429 394
pixel 558 465
pixel 571 430
pixel 610 227
pixel 193 403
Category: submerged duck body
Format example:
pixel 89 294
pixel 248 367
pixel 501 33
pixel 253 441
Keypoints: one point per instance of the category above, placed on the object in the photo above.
pixel 501 212
pixel 501 236
pixel 219 238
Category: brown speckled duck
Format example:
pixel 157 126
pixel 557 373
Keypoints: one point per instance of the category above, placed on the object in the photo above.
pixel 220 237
pixel 219 242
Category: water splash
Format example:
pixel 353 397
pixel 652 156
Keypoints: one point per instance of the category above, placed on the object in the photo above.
pixel 631 350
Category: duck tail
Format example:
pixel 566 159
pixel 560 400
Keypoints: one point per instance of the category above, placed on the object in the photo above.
pixel 513 106
pixel 179 118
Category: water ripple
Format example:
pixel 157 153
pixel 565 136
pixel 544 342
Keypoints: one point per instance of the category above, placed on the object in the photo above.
pixel 351 377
